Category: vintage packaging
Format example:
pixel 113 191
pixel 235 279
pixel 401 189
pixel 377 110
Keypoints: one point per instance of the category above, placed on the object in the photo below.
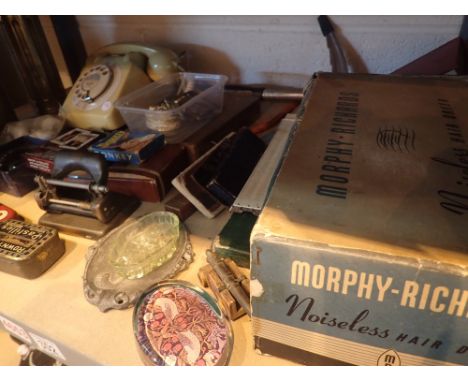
pixel 28 250
pixel 129 147
pixel 361 253
pixel 41 160
pixel 7 213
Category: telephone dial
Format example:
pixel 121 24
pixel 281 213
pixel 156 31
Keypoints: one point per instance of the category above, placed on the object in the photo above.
pixel 110 73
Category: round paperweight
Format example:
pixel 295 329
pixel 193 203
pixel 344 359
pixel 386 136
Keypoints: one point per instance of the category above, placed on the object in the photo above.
pixel 178 324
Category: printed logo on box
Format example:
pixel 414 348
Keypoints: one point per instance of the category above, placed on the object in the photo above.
pixel 350 298
pixel 389 358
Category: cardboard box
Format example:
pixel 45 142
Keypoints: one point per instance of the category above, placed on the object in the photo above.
pixel 127 146
pixel 361 253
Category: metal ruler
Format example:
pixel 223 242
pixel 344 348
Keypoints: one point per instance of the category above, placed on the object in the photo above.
pixel 255 192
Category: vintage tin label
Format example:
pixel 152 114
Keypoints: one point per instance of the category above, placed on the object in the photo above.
pixel 18 238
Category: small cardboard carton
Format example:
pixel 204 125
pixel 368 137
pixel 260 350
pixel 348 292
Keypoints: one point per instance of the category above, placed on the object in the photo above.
pixel 361 253
pixel 127 146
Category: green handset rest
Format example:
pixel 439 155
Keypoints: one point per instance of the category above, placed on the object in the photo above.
pixel 161 61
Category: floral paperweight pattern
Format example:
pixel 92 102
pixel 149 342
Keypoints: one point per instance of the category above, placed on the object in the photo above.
pixel 179 324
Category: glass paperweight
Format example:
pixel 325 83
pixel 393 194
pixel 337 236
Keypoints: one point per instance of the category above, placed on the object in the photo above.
pixel 178 324
pixel 145 244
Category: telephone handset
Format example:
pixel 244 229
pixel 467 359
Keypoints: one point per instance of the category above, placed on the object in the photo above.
pixel 110 73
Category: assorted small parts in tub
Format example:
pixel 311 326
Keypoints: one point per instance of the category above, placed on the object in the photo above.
pixel 174 101
pixel 178 324
pixel 176 105
pixel 131 258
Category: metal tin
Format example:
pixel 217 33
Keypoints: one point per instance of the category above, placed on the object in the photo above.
pixel 7 213
pixel 177 323
pixel 28 250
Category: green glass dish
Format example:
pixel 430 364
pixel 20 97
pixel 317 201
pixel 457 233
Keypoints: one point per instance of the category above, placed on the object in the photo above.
pixel 145 244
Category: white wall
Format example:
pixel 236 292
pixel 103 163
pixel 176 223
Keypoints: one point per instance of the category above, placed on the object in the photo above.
pixel 277 49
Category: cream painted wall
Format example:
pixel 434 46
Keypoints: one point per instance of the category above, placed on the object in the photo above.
pixel 277 49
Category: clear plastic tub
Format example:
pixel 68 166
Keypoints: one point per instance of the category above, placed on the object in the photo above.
pixel 154 107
